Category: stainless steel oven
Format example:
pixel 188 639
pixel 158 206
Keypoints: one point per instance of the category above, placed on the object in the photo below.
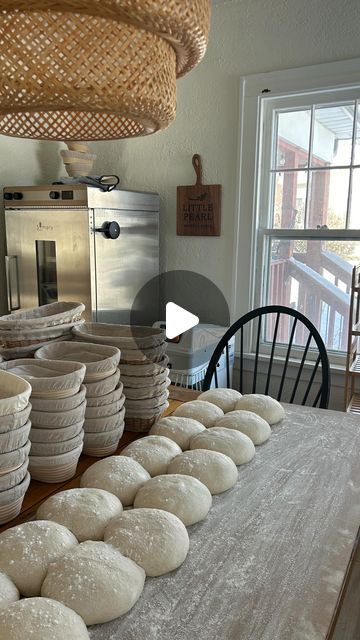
pixel 80 243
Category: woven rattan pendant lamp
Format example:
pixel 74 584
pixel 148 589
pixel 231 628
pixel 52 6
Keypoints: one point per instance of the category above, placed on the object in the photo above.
pixel 95 69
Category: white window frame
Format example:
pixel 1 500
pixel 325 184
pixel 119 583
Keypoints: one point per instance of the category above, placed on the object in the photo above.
pixel 249 232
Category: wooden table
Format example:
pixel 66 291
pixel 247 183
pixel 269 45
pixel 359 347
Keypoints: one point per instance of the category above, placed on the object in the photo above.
pixel 273 557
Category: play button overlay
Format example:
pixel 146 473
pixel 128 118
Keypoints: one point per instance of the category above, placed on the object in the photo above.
pixel 178 320
pixel 179 300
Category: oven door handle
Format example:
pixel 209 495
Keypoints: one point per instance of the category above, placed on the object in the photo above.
pixel 12 282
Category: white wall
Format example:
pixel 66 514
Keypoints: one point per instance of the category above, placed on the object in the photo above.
pixel 247 36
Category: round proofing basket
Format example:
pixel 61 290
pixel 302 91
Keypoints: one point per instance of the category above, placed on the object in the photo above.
pixel 145 369
pixel 49 378
pixel 108 398
pixel 9 480
pixel 15 439
pixel 14 420
pixel 127 89
pixel 55 468
pixel 103 387
pixel 14 392
pixel 123 336
pixel 14 459
pixel 146 393
pixel 134 356
pixel 47 315
pixel 26 337
pixel 56 435
pixel 102 444
pixel 56 448
pixel 147 403
pixel 144 382
pixel 106 424
pixel 105 409
pixel 58 419
pixel 12 499
pixel 57 405
pixel 101 361
pixel 184 23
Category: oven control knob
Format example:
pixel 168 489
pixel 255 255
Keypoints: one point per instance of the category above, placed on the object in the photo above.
pixel 8 196
pixel 18 195
pixel 110 230
pixel 54 195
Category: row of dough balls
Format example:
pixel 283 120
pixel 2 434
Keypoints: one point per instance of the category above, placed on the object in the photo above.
pixel 45 557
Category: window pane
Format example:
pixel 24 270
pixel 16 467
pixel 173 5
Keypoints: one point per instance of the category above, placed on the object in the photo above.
pixel 293 137
pixel 289 199
pixel 328 198
pixel 333 131
pixel 354 222
pixel 314 277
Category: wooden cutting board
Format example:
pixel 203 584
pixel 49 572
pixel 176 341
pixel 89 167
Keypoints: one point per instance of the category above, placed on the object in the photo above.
pixel 198 206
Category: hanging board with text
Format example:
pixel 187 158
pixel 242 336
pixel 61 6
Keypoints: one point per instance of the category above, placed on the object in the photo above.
pixel 198 206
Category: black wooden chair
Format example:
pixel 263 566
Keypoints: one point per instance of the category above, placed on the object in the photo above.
pixel 280 336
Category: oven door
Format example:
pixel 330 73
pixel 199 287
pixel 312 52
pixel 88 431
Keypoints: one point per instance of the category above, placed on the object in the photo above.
pixel 126 257
pixel 48 257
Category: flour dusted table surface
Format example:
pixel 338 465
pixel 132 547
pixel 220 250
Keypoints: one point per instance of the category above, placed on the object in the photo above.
pixel 270 560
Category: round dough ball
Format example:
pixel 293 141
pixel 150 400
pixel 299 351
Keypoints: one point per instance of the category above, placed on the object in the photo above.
pixel 264 406
pixel 41 619
pixel 27 550
pixel 223 398
pixel 86 512
pixel 155 539
pixel 184 496
pixel 96 581
pixel 255 427
pixel 181 430
pixel 153 453
pixel 214 469
pixel 201 410
pixel 8 591
pixel 232 443
pixel 119 475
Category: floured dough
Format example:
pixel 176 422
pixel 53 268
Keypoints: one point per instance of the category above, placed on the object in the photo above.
pixel 223 398
pixel 27 550
pixel 153 453
pixel 86 512
pixel 95 580
pixel 184 496
pixel 265 407
pixel 201 410
pixel 8 591
pixel 41 619
pixel 232 443
pixel 181 430
pixel 247 422
pixel 120 475
pixel 155 539
pixel 215 470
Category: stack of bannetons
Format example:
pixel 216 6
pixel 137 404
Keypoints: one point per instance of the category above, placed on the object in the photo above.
pixel 57 415
pixel 104 414
pixel 14 444
pixel 23 332
pixel 143 364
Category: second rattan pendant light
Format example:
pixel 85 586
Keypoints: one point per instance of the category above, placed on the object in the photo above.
pixel 95 69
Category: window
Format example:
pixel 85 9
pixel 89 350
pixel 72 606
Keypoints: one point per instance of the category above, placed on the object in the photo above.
pixel 306 200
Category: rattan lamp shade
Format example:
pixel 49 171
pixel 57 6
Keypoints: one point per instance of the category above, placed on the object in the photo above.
pixel 78 70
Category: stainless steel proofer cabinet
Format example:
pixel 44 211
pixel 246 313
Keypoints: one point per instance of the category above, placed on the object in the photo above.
pixel 80 243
